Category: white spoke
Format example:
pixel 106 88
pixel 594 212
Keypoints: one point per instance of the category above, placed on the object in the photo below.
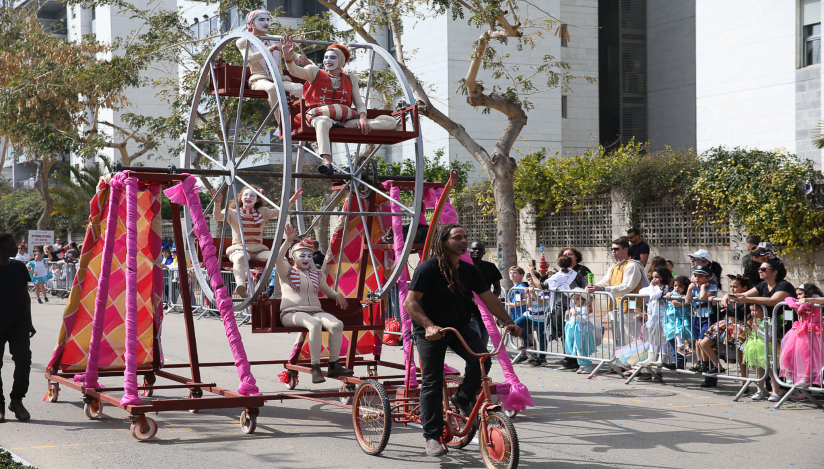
pixel 206 156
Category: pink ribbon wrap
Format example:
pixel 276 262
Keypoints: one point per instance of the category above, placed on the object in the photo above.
pixel 89 379
pixel 130 396
pixel 403 290
pixel 185 193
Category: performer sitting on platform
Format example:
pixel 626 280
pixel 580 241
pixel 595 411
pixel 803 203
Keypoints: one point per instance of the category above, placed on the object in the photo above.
pixel 300 306
pixel 253 216
pixel 330 95
pixel 258 24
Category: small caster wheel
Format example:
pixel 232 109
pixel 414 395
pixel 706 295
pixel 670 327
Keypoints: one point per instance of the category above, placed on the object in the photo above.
pixel 293 381
pixel 94 409
pixel 248 422
pixel 54 392
pixel 195 394
pixel 144 431
pixel 347 400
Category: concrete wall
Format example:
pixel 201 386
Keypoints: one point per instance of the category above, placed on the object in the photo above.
pixel 746 58
pixel 671 73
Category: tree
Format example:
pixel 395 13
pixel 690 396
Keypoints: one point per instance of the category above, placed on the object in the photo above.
pixel 498 22
pixel 47 84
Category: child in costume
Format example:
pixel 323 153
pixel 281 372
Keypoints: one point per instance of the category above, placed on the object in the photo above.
pixel 39 275
pixel 257 23
pixel 801 346
pixel 253 215
pixel 699 296
pixel 300 306
pixel 579 331
pixel 753 352
pixel 330 96
pixel 677 322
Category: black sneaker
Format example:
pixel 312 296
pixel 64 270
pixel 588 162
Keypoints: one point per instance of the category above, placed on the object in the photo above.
pixel 538 363
pixel 46 298
pixel 464 409
pixel 519 359
pixel 39 301
pixel 327 170
pixel 570 366
pixel 709 383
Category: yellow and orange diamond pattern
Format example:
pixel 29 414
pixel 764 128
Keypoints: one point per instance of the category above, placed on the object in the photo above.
pixel 71 353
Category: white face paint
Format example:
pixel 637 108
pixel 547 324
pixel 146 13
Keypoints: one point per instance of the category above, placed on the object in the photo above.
pixel 330 60
pixel 248 198
pixel 304 260
pixel 261 24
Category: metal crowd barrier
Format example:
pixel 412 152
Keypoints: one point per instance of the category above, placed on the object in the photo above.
pixel 201 305
pixel 573 328
pixel 651 351
pixel 62 278
pixel 800 351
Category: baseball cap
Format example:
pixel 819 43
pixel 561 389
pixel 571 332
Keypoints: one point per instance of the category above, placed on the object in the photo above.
pixel 763 249
pixel 702 269
pixel 701 254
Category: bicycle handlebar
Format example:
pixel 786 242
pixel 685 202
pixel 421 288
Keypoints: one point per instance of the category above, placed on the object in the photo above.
pixel 479 355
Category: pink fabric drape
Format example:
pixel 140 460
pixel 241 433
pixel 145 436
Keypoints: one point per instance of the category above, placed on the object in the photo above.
pixel 185 193
pixel 89 379
pixel 130 396
pixel 403 290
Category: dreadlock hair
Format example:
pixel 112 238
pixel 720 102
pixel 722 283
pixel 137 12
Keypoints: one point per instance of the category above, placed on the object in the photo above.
pixel 449 271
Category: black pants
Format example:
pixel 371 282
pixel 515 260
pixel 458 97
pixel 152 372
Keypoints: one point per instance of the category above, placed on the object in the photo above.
pixel 17 337
pixel 433 353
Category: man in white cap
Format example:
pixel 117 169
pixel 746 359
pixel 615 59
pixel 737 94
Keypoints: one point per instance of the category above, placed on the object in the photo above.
pixel 300 306
pixel 258 23
pixel 703 257
pixel 331 94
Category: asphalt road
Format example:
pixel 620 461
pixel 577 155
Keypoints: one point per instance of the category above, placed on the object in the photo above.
pixel 577 423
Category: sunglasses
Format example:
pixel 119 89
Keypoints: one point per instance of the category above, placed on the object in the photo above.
pixel 615 249
pixel 764 269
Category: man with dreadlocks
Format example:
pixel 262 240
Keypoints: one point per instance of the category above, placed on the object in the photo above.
pixel 440 295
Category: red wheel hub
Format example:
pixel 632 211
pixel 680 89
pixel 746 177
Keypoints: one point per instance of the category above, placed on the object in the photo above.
pixel 496 444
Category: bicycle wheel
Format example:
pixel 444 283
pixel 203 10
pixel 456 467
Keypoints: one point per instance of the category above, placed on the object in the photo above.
pixel 499 442
pixel 372 417
pixel 457 421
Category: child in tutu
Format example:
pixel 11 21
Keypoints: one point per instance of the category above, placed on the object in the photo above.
pixel 753 352
pixel 579 331
pixel 801 346
pixel 677 322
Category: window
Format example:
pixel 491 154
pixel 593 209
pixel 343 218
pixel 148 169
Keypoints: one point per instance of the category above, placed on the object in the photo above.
pixel 811 47
pixel 564 36
pixel 563 106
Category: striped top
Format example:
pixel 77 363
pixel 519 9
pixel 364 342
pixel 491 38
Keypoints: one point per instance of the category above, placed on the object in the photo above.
pixel 252 222
pixel 294 279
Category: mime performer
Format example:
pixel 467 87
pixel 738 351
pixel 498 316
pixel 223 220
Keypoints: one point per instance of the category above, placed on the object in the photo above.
pixel 300 305
pixel 330 95
pixel 258 23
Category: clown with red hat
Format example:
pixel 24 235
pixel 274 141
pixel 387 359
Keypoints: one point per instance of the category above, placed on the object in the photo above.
pixel 333 99
pixel 300 305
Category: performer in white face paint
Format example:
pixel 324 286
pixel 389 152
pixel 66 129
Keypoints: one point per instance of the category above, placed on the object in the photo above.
pixel 300 306
pixel 258 23
pixel 253 216
pixel 330 95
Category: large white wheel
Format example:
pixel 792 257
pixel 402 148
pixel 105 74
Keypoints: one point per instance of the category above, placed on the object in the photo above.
pixel 232 139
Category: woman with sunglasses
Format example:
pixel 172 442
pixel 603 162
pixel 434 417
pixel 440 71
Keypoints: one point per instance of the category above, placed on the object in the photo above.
pixel 772 290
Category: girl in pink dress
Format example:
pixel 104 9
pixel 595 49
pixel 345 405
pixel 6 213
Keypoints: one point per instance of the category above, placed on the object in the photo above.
pixel 801 346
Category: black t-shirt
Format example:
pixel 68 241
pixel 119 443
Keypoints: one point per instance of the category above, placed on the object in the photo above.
pixel 635 250
pixel 489 271
pixel 14 281
pixel 582 273
pixel 444 308
pixel 785 286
